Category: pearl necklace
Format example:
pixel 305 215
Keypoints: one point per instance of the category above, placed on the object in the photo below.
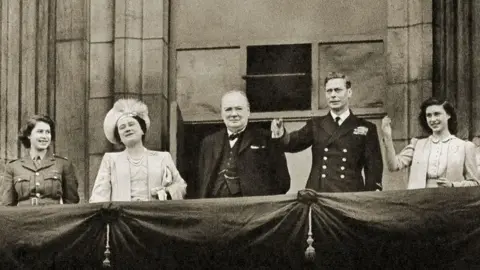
pixel 135 161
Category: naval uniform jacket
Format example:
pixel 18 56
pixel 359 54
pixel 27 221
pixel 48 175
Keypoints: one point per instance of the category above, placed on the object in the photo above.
pixel 339 153
pixel 53 182
pixel 261 164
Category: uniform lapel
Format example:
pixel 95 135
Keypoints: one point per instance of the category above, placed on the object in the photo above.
pixel 328 124
pixel 27 163
pixel 47 161
pixel 347 125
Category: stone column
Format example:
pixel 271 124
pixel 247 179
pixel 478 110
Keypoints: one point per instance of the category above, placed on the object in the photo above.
pixel 100 80
pixel 141 54
pixel 70 98
pixel 409 72
pixel 128 53
pixel 154 77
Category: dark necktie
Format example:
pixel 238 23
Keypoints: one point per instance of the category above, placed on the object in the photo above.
pixel 337 120
pixel 234 136
pixel 37 161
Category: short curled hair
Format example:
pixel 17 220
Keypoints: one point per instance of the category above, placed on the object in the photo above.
pixel 26 130
pixel 449 109
pixel 338 75
pixel 142 124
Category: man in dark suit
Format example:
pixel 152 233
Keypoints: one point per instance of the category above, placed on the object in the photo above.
pixel 240 160
pixel 342 144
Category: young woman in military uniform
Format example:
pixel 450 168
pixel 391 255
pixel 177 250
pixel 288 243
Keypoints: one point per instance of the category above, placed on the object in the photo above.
pixel 41 177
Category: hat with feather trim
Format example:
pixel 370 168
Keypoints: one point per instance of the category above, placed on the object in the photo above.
pixel 124 108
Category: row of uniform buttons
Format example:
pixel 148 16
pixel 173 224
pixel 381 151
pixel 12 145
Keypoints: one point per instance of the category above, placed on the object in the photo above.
pixel 343 159
pixel 344 150
pixel 341 168
pixel 341 175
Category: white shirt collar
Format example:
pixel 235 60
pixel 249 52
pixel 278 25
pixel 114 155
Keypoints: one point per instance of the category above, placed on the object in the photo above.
pixel 232 142
pixel 41 156
pixel 231 132
pixel 342 116
pixel 446 139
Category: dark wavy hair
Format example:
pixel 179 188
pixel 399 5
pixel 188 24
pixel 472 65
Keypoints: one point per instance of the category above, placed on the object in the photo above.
pixel 26 130
pixel 338 75
pixel 142 124
pixel 452 122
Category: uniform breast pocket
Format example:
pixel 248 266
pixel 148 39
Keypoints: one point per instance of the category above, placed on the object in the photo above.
pixel 22 186
pixel 52 185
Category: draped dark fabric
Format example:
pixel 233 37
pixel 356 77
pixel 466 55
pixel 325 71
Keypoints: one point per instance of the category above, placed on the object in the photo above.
pixel 416 229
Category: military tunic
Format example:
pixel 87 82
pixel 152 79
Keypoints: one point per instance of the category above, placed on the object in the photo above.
pixel 53 181
pixel 345 158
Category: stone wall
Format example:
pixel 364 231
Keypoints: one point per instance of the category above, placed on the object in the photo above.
pixel 409 73
pixel 72 59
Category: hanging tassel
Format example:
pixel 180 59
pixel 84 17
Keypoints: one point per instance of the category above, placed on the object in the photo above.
pixel 310 251
pixel 106 262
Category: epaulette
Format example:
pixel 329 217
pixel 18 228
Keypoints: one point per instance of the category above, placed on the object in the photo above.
pixel 57 156
pixel 13 160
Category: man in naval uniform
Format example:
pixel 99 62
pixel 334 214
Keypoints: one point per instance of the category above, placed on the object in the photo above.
pixel 342 144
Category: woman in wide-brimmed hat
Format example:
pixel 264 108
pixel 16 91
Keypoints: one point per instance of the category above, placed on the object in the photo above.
pixel 135 174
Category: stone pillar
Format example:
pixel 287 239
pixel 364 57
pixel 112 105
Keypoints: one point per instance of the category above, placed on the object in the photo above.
pixel 155 44
pixel 128 53
pixel 141 54
pixel 100 81
pixel 409 72
pixel 71 101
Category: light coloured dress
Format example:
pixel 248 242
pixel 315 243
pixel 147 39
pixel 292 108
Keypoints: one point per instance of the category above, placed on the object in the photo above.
pixel 121 179
pixel 430 159
pixel 139 179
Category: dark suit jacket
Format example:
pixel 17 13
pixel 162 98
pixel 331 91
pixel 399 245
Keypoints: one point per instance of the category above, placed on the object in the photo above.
pixel 261 164
pixel 339 154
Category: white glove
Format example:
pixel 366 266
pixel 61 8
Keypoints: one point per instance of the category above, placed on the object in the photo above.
pixel 162 195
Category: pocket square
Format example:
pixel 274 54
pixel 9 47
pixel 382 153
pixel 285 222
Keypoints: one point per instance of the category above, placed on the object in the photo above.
pixel 257 146
pixel 361 130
